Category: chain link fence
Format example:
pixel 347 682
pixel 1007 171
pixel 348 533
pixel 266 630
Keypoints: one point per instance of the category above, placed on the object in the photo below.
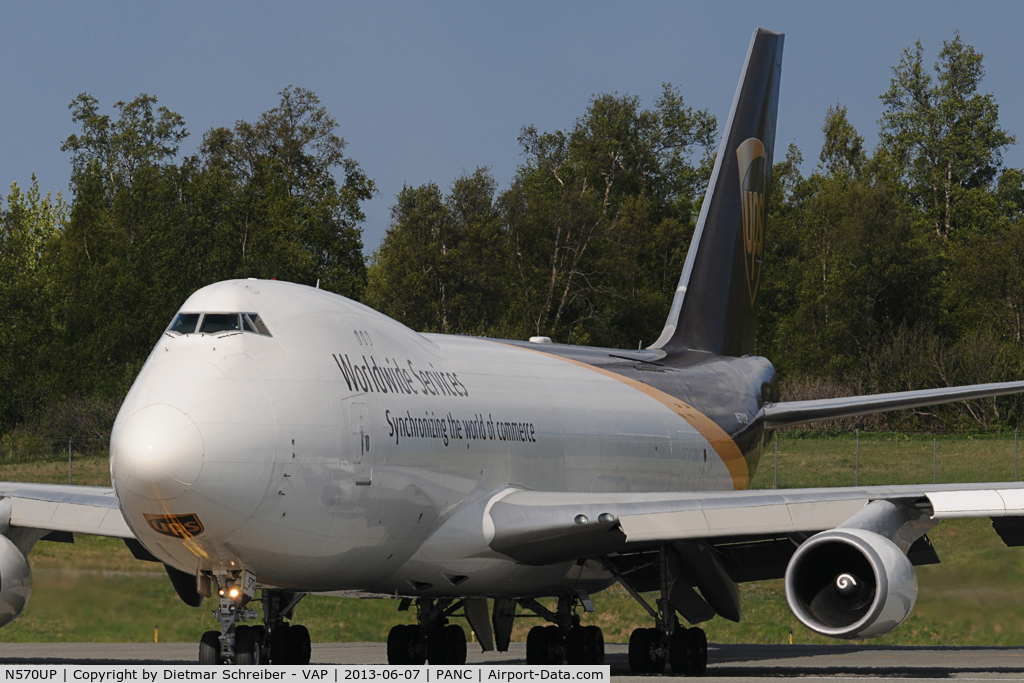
pixel 18 448
pixel 860 458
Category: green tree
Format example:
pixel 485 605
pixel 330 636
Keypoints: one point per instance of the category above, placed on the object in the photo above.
pixel 291 219
pixel 139 137
pixel 440 265
pixel 986 283
pixel 614 194
pixel 146 230
pixel 943 134
pixel 96 295
pixel 29 222
pixel 846 264
pixel 842 154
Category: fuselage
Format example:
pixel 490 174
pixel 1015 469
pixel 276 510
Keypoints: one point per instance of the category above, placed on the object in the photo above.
pixel 325 453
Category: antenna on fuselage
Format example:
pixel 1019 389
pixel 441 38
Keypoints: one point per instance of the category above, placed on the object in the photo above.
pixel 318 283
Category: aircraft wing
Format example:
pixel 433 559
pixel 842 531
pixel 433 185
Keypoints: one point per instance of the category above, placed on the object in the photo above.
pixel 789 413
pixel 60 507
pixel 539 528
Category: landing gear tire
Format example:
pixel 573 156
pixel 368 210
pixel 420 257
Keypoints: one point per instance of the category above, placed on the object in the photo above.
pixel 209 648
pixel 596 643
pixel 585 645
pixel 536 646
pixel 289 644
pixel 688 652
pixel 577 650
pixel 556 645
pixel 280 653
pixel 455 644
pixel 644 657
pixel 405 645
pixel 446 645
pixel 398 645
pixel 678 652
pixel 696 651
pixel 299 644
pixel 247 646
pixel 436 646
pixel 544 645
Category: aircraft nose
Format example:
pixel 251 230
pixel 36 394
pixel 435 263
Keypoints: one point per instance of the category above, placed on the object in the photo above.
pixel 157 452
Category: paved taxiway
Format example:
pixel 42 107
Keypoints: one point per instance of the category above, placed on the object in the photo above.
pixel 726 662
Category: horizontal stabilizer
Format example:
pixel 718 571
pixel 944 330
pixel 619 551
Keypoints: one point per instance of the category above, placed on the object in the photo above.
pixel 789 413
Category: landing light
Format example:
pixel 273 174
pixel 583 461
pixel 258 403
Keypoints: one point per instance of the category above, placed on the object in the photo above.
pixel 233 593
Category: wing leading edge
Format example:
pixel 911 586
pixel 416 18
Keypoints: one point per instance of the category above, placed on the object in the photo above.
pixel 56 507
pixel 538 528
pixel 790 413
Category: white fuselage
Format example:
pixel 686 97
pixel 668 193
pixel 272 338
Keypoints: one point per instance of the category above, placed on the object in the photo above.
pixel 327 456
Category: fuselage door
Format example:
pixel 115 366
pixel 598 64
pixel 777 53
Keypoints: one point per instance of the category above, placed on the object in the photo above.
pixel 361 435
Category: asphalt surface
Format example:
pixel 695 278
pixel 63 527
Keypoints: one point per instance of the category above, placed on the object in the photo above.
pixel 726 662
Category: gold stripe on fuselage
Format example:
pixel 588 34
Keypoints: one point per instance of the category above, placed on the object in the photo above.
pixel 726 448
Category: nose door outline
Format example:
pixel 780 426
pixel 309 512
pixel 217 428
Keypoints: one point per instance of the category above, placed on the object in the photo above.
pixel 361 434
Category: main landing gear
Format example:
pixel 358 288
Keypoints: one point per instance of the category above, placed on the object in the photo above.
pixel 275 641
pixel 684 649
pixel 566 640
pixel 432 638
pixel 284 643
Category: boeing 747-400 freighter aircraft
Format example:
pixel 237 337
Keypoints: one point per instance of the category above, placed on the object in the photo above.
pixel 281 441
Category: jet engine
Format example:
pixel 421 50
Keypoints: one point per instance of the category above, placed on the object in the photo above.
pixel 850 583
pixel 15 581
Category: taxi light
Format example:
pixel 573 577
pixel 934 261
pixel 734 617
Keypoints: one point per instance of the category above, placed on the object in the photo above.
pixel 233 592
pixel 221 592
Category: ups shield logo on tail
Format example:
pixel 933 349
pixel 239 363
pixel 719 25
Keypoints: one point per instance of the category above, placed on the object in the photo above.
pixel 176 526
pixel 753 174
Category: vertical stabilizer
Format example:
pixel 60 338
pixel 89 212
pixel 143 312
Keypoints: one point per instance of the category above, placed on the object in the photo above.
pixel 715 304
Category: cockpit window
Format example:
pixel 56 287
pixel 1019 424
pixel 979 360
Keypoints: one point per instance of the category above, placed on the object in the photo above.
pixel 220 322
pixel 184 323
pixel 257 322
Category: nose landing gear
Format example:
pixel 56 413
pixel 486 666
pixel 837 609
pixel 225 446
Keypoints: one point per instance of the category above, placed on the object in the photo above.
pixel 275 641
pixel 234 644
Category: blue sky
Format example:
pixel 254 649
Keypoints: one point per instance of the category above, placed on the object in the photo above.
pixel 426 91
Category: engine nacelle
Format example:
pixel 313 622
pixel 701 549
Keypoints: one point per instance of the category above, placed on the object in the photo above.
pixel 15 581
pixel 850 583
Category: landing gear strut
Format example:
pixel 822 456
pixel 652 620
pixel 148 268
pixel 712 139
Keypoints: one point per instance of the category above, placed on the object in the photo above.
pixel 284 643
pixel 275 641
pixel 431 639
pixel 685 649
pixel 235 644
pixel 566 640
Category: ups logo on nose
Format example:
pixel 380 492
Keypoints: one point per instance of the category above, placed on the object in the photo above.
pixel 176 526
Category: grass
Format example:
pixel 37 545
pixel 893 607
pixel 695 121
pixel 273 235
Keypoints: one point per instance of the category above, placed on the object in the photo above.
pixel 95 591
pixel 887 459
pixel 86 470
